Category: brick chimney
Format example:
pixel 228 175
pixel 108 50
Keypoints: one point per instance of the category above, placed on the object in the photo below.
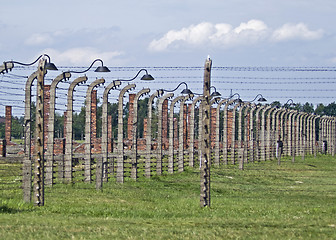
pixel 130 116
pixel 8 123
pixel 109 133
pixel 93 116
pixel 213 127
pixel 46 103
pixel 165 124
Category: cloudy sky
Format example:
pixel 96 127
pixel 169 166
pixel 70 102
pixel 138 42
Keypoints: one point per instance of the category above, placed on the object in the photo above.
pixel 169 33
pixel 154 33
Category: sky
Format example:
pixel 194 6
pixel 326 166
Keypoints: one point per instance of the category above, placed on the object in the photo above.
pixel 182 33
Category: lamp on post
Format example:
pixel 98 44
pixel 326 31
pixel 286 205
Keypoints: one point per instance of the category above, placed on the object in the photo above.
pixel 145 77
pixel 48 65
pixel 184 91
pixel 69 121
pixel 289 103
pixel 215 93
pixel 261 98
pixel 44 65
pixel 101 68
pixel 120 143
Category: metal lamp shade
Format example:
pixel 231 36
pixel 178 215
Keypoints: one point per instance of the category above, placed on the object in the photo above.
pixel 186 91
pixel 147 77
pixel 50 66
pixel 102 69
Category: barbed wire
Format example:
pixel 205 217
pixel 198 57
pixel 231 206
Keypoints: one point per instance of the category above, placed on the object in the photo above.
pixel 198 68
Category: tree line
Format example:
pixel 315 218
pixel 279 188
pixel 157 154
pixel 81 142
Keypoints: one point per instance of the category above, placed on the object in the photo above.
pixel 79 119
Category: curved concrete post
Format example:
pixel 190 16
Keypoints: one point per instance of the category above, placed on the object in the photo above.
pixel 282 127
pixel 233 139
pixel 252 134
pixel 87 156
pixel 291 130
pixel 212 132
pixel 327 133
pixel 240 137
pixel 277 129
pixel 159 140
pixel 134 155
pixel 258 133
pixel 331 128
pixel 329 143
pixel 225 131
pixel 274 132
pixel 304 135
pixel 217 144
pixel 171 134
pixel 101 170
pixel 309 133
pixel 242 125
pixel 247 132
pixel 327 127
pixel 269 133
pixel 181 133
pixel 320 134
pixel 27 162
pixel 332 135
pixel 300 134
pixel 297 135
pixel 51 128
pixel 68 135
pixel 192 131
pixel 263 133
pixel 287 130
pixel 156 94
pixel 200 133
pixel 120 144
pixel 294 135
pixel 314 142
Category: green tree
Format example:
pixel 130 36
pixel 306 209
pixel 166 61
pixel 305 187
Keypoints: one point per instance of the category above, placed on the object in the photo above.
pixel 276 104
pixel 320 109
pixel 308 108
pixel 330 110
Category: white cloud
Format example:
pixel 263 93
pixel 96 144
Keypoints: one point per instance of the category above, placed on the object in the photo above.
pixel 80 56
pixel 225 35
pixel 296 31
pixel 38 39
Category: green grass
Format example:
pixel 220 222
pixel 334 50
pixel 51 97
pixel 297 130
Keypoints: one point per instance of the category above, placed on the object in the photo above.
pixel 265 201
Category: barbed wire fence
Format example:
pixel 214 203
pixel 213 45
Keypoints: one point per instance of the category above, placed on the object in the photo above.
pixel 257 139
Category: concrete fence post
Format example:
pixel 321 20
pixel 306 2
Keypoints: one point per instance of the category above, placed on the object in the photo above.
pixel 192 131
pixel 217 132
pixel 149 154
pixel 134 158
pixel 51 128
pixel 120 144
pixel 171 133
pixel 88 130
pixel 69 122
pixel 101 170
pixel 159 138
pixel 27 161
pixel 39 172
pixel 252 134
pixel 181 134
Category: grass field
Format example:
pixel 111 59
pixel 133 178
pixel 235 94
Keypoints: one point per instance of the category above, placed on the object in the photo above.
pixel 264 201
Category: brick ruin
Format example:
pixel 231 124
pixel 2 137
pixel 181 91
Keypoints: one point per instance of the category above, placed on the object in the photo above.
pixel 96 142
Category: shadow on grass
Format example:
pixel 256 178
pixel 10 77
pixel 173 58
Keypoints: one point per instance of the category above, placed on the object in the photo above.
pixel 6 209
